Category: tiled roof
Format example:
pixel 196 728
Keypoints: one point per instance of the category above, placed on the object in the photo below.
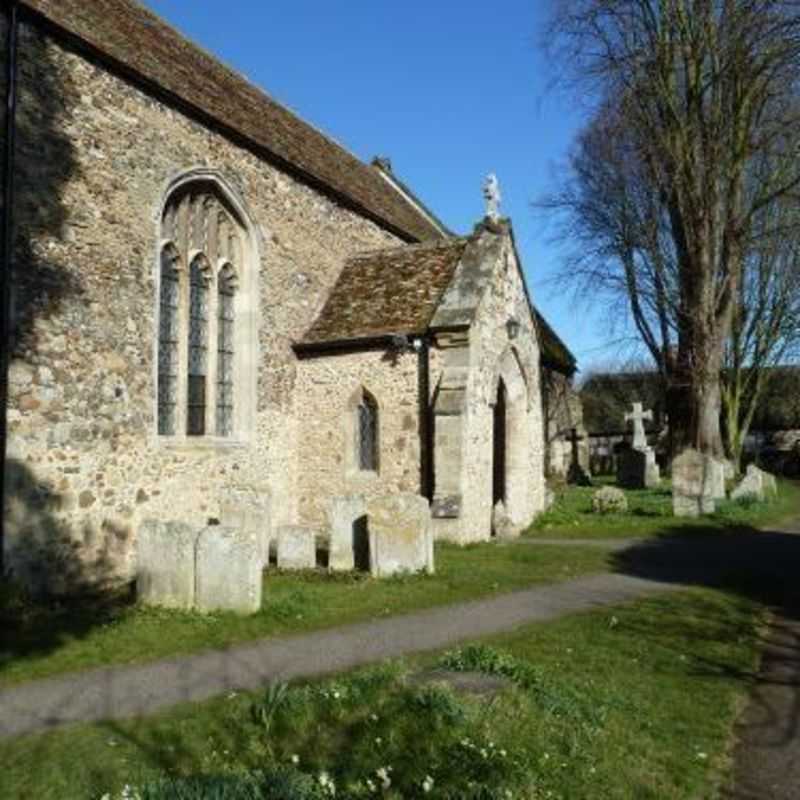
pixel 146 46
pixel 385 292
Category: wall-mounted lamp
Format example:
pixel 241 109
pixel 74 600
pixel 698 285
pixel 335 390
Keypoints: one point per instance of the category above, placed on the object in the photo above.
pixel 512 326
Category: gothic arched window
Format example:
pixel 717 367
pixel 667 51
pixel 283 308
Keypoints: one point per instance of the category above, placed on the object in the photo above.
pixel 168 342
pixel 367 445
pixel 226 286
pixel 198 349
pixel 202 336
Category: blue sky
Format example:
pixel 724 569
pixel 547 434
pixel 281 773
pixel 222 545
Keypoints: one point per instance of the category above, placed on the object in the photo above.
pixel 449 91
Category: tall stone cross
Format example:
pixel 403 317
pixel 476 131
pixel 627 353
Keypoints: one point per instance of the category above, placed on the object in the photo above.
pixel 638 417
pixel 574 439
pixel 491 191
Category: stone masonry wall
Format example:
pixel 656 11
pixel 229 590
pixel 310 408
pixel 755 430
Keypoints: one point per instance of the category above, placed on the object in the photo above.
pixel 326 388
pixel 505 298
pixel 85 466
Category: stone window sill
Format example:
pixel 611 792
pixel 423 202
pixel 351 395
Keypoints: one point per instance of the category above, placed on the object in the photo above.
pixel 199 443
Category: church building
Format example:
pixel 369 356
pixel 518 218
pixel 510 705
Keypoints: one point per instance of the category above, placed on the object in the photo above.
pixel 204 292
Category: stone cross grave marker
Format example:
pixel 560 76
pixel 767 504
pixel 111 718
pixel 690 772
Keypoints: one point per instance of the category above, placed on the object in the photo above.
pixel 575 474
pixel 491 191
pixel 638 417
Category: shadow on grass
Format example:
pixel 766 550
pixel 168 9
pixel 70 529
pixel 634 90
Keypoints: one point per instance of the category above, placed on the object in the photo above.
pixel 759 566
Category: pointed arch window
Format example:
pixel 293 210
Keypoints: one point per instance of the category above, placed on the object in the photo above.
pixel 206 332
pixel 168 342
pixel 367 444
pixel 198 349
pixel 226 287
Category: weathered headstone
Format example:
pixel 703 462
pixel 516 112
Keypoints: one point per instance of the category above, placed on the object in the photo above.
pixel 248 509
pixel 297 547
pixel 228 570
pixel 346 512
pixel 400 535
pixel 751 485
pixel 166 564
pixel 716 471
pixel 693 484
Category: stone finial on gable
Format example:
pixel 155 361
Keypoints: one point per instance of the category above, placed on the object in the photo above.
pixel 491 191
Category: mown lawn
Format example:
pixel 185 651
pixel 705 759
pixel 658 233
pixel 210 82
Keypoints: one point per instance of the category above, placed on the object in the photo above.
pixel 37 641
pixel 650 514
pixel 631 702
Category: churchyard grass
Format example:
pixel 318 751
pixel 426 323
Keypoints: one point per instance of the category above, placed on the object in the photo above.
pixel 38 641
pixel 650 514
pixel 633 701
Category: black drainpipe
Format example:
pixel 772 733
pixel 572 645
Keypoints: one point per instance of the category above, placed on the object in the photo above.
pixel 8 246
pixel 425 428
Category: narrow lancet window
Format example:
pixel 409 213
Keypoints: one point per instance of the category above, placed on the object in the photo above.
pixel 168 344
pixel 225 354
pixel 198 350
pixel 367 434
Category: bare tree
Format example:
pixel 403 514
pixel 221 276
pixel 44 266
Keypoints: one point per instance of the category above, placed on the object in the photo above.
pixel 699 102
pixel 766 323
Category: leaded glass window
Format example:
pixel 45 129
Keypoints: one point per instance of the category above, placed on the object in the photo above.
pixel 367 433
pixel 168 345
pixel 198 350
pixel 225 321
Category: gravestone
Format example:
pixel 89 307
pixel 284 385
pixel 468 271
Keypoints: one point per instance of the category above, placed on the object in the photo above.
pixel 637 467
pixel 228 570
pixel 751 485
pixel 347 533
pixel 693 484
pixel 166 564
pixel 297 547
pixel 576 474
pixel 248 508
pixel 717 471
pixel 400 534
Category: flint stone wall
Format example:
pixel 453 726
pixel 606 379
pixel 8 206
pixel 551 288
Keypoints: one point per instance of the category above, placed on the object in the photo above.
pixel 467 392
pixel 326 398
pixel 228 570
pixel 94 158
pixel 400 537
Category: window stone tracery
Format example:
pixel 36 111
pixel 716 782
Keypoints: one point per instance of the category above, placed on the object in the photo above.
pixel 202 338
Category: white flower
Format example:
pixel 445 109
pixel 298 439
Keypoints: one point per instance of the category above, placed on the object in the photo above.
pixel 295 758
pixel 483 753
pixel 378 740
pixel 373 717
pixel 702 756
pixel 326 783
pixel 427 784
pixel 383 775
pixel 370 785
pixel 336 695
pixel 503 754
